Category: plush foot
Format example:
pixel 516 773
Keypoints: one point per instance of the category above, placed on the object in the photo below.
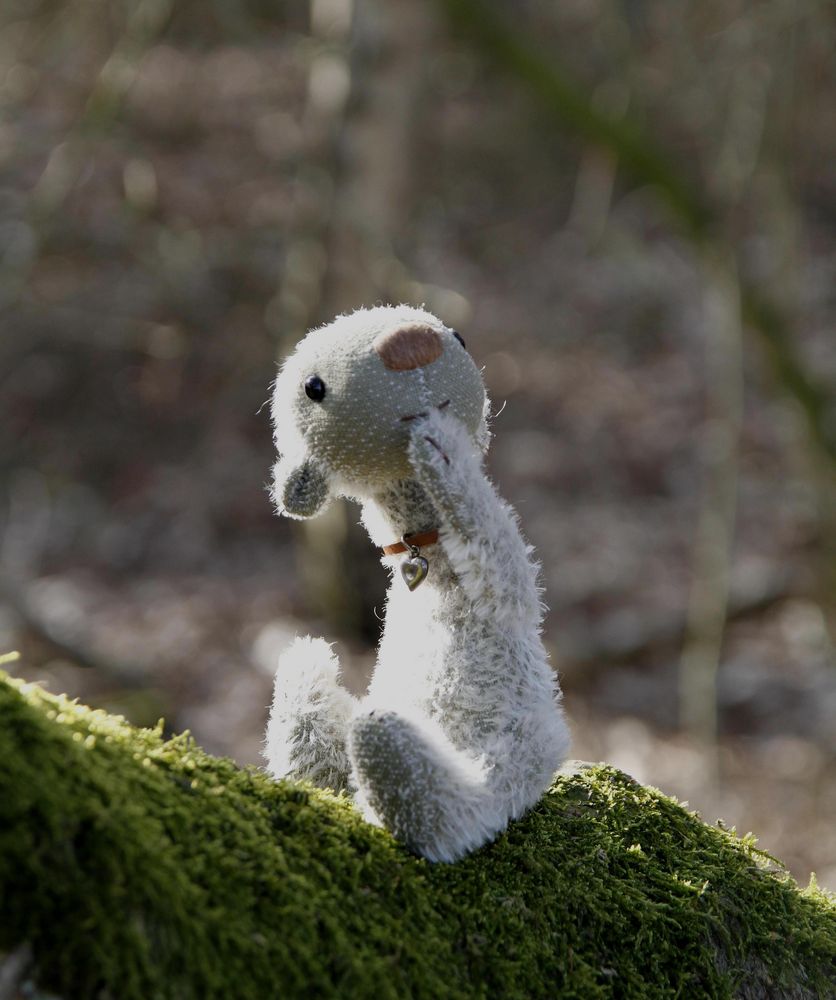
pixel 411 780
pixel 306 733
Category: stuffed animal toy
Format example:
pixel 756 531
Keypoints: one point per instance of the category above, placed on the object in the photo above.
pixel 462 727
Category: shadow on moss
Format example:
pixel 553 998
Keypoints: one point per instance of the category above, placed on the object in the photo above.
pixel 138 867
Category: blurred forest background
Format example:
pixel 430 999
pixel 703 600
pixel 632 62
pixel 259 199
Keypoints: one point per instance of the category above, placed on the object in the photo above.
pixel 626 207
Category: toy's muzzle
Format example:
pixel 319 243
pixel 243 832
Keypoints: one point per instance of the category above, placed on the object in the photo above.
pixel 301 488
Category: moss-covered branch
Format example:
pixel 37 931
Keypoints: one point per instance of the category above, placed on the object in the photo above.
pixel 132 866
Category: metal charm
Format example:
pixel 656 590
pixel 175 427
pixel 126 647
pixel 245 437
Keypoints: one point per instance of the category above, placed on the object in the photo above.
pixel 414 569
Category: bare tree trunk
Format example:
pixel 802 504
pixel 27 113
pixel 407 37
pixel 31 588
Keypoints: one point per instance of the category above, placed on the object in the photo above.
pixel 365 87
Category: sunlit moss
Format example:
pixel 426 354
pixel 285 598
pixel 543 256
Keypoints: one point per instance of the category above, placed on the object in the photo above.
pixel 140 867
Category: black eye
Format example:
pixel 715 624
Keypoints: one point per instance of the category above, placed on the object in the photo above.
pixel 315 388
pixel 460 338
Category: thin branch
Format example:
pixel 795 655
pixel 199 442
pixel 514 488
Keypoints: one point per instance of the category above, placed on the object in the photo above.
pixel 568 104
pixel 720 458
pixel 815 402
pixel 639 157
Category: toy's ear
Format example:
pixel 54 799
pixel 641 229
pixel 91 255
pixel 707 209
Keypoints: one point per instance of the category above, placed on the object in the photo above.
pixel 301 487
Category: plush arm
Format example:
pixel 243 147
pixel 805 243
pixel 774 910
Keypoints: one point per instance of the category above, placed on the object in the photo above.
pixel 479 530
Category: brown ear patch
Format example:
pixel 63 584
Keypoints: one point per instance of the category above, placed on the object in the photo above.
pixel 410 346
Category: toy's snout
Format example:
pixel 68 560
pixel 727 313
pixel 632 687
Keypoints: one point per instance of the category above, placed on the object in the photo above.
pixel 412 345
pixel 301 487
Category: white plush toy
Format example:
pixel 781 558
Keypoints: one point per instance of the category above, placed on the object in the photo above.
pixel 461 729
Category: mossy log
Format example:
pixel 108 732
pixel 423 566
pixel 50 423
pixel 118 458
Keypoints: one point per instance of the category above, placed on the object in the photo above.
pixel 134 866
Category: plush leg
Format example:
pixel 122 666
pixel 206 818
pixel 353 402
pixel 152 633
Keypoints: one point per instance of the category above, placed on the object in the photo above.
pixel 306 734
pixel 413 781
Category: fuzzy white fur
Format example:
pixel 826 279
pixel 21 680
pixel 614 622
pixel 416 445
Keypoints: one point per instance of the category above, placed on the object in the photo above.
pixel 462 727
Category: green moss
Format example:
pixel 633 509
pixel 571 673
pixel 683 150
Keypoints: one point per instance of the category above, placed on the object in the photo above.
pixel 139 867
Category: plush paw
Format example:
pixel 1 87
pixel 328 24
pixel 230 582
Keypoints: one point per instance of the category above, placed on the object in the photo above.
pixel 306 732
pixel 441 444
pixel 307 669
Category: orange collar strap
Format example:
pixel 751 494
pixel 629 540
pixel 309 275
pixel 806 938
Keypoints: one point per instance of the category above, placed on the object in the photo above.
pixel 410 542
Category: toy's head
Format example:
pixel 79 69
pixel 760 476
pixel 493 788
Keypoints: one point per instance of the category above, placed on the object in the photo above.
pixel 346 399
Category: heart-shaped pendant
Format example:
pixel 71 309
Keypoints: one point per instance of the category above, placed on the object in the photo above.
pixel 414 571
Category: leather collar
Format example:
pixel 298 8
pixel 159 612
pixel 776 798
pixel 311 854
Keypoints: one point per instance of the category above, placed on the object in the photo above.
pixel 412 541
